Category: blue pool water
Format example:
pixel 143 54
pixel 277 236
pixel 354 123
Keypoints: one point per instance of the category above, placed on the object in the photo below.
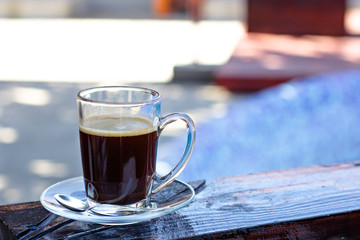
pixel 308 121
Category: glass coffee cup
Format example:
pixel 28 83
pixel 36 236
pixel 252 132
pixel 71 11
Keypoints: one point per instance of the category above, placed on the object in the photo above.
pixel 119 129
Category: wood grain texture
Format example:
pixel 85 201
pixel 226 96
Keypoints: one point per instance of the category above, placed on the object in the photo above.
pixel 247 201
pixel 32 221
pixel 319 202
pixel 339 226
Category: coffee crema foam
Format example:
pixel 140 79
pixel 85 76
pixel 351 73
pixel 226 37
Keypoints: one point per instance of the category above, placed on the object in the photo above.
pixel 117 127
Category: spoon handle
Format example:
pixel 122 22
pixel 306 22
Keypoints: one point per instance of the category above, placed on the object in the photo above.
pixel 78 205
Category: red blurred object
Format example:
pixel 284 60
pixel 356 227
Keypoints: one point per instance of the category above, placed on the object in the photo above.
pixel 320 17
pixel 163 8
pixel 262 60
pixel 194 8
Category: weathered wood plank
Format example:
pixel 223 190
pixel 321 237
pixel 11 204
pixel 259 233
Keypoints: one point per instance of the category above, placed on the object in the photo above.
pixel 339 226
pixel 318 202
pixel 32 221
pixel 18 219
pixel 246 201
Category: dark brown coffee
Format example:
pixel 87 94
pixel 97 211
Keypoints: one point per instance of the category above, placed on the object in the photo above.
pixel 118 158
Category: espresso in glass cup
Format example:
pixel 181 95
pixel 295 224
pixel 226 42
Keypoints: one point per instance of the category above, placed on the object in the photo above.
pixel 119 129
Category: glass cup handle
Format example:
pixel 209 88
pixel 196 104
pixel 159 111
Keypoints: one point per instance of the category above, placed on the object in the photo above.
pixel 163 181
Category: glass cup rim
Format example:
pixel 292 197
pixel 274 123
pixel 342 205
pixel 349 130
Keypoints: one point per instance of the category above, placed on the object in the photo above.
pixel 156 95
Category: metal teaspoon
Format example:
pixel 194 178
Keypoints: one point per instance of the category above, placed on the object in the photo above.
pixel 72 203
pixel 78 205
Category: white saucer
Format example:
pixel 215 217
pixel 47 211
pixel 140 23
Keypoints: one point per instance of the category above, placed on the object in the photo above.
pixel 75 188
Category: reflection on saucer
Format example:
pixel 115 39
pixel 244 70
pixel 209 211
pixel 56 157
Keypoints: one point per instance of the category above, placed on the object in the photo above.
pixel 175 196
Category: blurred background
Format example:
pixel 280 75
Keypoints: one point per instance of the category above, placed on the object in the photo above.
pixel 265 92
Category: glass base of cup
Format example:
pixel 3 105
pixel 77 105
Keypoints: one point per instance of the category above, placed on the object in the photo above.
pixel 144 205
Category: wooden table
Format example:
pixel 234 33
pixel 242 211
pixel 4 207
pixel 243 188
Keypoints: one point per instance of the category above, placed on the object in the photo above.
pixel 319 202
